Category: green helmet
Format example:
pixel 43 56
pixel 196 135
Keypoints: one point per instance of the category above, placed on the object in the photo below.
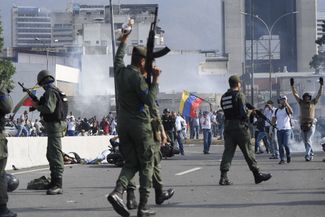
pixel 139 51
pixel 6 103
pixel 44 77
pixel 234 79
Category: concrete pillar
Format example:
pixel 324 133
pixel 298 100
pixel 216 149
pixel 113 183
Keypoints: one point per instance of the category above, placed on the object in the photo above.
pixel 235 35
pixel 306 33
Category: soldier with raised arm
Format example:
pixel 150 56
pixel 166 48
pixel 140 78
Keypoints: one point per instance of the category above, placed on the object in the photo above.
pixel 134 127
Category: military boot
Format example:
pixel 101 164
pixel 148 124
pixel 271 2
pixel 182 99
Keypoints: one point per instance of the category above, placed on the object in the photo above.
pixel 56 187
pixel 116 199
pixel 224 179
pixel 161 195
pixel 131 202
pixel 143 209
pixel 261 177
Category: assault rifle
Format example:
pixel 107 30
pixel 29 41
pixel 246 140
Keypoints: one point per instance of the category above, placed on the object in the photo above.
pixel 30 94
pixel 260 114
pixel 151 55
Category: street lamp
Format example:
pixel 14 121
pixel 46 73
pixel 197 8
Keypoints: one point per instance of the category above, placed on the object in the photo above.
pixel 269 30
pixel 47 52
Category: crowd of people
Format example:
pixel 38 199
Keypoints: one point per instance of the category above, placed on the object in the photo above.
pixel 24 126
pixel 207 124
pixel 276 128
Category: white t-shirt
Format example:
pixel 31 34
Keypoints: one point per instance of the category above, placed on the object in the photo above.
pixel 205 122
pixel 72 125
pixel 282 119
pixel 180 123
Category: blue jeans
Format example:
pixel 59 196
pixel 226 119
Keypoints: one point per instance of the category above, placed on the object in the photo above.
pixel 306 137
pixel 180 143
pixel 70 132
pixel 206 140
pixel 283 141
pixel 260 136
pixel 22 130
pixel 196 132
pixel 221 129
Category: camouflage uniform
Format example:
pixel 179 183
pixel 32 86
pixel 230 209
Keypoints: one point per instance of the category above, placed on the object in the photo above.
pixel 55 128
pixel 5 102
pixel 236 132
pixel 55 131
pixel 161 195
pixel 134 130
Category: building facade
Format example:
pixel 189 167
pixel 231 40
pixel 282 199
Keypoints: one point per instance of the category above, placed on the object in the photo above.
pixel 31 26
pixel 291 40
pixel 320 21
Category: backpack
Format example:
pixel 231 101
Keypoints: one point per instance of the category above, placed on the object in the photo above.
pixel 62 105
pixel 41 183
pixel 61 110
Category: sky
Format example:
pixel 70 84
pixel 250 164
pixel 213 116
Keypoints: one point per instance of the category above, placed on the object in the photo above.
pixel 189 24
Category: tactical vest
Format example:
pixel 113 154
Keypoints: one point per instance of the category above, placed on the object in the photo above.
pixel 61 108
pixel 230 105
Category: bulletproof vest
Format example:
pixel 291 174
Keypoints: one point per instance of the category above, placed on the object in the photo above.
pixel 230 105
pixel 61 109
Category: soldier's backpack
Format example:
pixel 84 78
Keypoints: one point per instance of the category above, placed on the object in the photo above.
pixel 167 151
pixel 41 183
pixel 61 111
pixel 62 105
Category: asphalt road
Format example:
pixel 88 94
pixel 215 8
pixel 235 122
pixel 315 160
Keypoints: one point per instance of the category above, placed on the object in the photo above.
pixel 296 189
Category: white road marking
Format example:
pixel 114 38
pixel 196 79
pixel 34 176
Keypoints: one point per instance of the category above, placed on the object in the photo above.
pixel 188 171
pixel 35 170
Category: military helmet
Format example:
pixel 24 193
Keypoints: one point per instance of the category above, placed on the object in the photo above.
pixel 233 80
pixel 44 77
pixel 306 95
pixel 12 182
pixel 139 51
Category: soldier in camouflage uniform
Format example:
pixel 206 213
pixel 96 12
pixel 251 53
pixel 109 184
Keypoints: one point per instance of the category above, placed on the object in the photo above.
pixel 48 107
pixel 160 138
pixel 5 107
pixel 134 127
pixel 236 132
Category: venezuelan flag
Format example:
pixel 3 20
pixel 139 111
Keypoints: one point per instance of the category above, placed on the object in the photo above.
pixel 189 104
pixel 28 100
pixel 25 101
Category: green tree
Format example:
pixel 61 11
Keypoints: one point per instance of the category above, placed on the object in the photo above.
pixel 7 70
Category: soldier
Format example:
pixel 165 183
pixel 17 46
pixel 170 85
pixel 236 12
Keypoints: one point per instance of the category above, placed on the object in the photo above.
pixel 307 116
pixel 53 110
pixel 134 127
pixel 237 133
pixel 5 108
pixel 160 138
